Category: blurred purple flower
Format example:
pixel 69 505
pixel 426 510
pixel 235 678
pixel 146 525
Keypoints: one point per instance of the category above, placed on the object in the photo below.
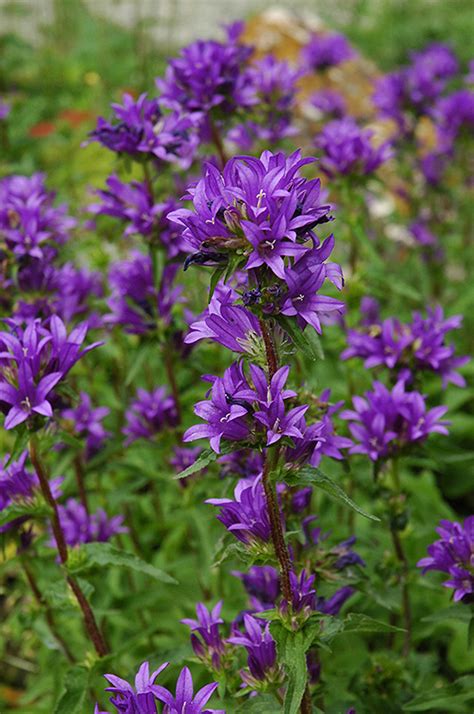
pixel 348 150
pixel 148 414
pixel 86 422
pixel 80 527
pixel 324 51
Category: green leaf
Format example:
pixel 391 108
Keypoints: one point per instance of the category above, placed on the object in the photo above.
pixel 358 622
pixel 308 341
pixel 92 555
pixel 35 509
pixel 215 277
pixel 262 704
pixel 206 457
pixel 311 476
pixel 76 684
pixel 292 647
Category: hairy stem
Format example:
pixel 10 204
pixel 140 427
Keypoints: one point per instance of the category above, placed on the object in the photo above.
pixel 218 143
pixel 272 359
pixel 46 609
pixel 90 623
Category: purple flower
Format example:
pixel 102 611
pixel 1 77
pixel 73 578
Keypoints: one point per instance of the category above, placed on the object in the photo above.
pixel 348 150
pixel 140 128
pixel 225 412
pixel 261 650
pixel 207 75
pixel 232 326
pixel 333 604
pixel 87 423
pixel 209 645
pixel 17 483
pixel 135 303
pixel 453 114
pixel 303 594
pixel 324 51
pixel 182 457
pixel 80 527
pixel 419 345
pixel 185 700
pixel 148 414
pixel 262 584
pixel 32 363
pixel 454 554
pixel 247 515
pixel 140 700
pixel 329 103
pixel 385 422
pixel 4 110
pixel 253 206
pixel 29 221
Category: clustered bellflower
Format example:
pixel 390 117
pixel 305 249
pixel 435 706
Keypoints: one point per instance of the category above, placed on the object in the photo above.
pixel 81 527
pixel 261 651
pixel 86 422
pixel 454 554
pixel 206 639
pixel 326 50
pixel 417 346
pixel 384 422
pixel 148 414
pixel 32 363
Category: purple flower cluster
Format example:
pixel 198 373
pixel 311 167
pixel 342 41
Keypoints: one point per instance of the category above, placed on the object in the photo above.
pixel 416 346
pixel 454 554
pixel 329 103
pixel 32 362
pixel 245 516
pixel 141 699
pixel 265 212
pixel 324 51
pixel 135 302
pixel 413 89
pixel 86 422
pixel 261 651
pixel 81 527
pixel 148 414
pixel 31 226
pixel 384 422
pixel 453 114
pixel 206 639
pixel 17 483
pixel 141 130
pixel 133 204
pixel 348 150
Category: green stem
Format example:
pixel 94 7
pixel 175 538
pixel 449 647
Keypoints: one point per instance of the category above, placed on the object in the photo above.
pixel 217 139
pixel 90 623
pixel 405 566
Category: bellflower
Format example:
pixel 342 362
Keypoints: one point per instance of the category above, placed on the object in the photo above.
pixel 141 699
pixel 348 150
pixel 329 103
pixel 33 362
pixel 454 554
pixel 18 483
pixel 324 51
pixel 80 527
pixel 419 345
pixel 184 699
pixel 29 221
pixel 141 129
pixel 430 69
pixel 262 584
pixel 453 114
pixel 135 303
pixel 4 110
pixel 207 75
pixel 86 422
pixel 148 414
pixel 386 421
pixel 246 516
pixel 206 639
pixel 261 650
pixel 332 605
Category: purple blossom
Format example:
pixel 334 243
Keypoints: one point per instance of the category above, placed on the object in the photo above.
pixel 419 345
pixel 4 110
pixel 207 75
pixel 262 584
pixel 206 639
pixel 454 554
pixel 29 221
pixel 324 51
pixel 135 303
pixel 247 515
pixel 138 700
pixel 232 326
pixel 148 414
pixel 261 650
pixel 303 594
pixel 32 363
pixel 333 604
pixel 453 114
pixel 80 527
pixel 17 483
pixel 385 422
pixel 329 102
pixel 86 422
pixel 184 457
pixel 185 700
pixel 140 129
pixel 348 150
